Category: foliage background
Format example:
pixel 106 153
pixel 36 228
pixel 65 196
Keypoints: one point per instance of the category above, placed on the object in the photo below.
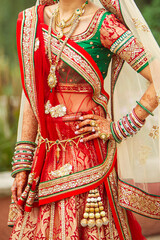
pixel 10 86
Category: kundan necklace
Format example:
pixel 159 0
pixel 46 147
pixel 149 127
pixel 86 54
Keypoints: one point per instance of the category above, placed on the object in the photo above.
pixel 72 22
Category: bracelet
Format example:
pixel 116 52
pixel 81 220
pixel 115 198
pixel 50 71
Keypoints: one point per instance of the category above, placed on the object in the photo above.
pixel 126 127
pixel 23 157
pixel 144 108
pixel 113 133
pixel 27 142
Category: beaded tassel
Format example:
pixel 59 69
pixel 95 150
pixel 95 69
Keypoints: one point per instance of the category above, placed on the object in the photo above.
pixel 94 214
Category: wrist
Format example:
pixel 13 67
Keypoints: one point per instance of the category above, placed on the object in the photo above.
pixel 23 157
pixel 126 127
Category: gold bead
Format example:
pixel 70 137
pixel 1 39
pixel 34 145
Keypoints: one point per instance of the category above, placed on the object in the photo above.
pixel 84 222
pixel 105 220
pixel 91 215
pixel 97 215
pixel 88 205
pixel 103 214
pixel 85 215
pixel 87 210
pixel 97 195
pixel 99 223
pixel 92 204
pixel 91 210
pixel 89 195
pixel 96 205
pixel 100 204
pixel 101 208
pixel 59 35
pixel 91 223
pixel 96 209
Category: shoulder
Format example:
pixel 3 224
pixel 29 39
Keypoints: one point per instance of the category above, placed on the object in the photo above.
pixel 48 10
pixel 111 29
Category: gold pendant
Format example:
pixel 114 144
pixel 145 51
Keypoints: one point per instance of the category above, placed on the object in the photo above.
pixel 52 79
pixel 62 24
pixel 60 35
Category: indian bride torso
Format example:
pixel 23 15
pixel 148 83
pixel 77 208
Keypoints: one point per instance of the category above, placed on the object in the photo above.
pixel 74 95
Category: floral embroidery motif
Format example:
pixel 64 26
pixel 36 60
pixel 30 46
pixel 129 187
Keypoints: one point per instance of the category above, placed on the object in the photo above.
pixel 139 25
pixel 37 42
pixel 144 152
pixel 57 111
pixel 65 170
pixel 111 30
pixel 154 133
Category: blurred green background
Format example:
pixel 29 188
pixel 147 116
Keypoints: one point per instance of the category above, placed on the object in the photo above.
pixel 10 85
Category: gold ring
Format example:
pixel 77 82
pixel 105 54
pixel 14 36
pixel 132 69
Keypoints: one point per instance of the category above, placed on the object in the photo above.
pixel 104 136
pixel 93 123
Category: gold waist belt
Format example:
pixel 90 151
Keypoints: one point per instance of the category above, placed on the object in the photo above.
pixel 61 144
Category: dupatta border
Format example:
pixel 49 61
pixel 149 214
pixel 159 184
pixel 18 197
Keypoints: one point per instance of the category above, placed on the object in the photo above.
pixel 119 214
pixel 131 197
pixel 27 52
pixel 79 182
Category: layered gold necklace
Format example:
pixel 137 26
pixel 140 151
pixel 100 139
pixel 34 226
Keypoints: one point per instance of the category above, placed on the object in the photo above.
pixel 72 23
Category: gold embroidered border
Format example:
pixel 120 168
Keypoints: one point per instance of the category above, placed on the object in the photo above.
pixel 80 178
pixel 27 52
pixel 135 200
pixel 114 7
pixel 92 29
pixel 121 212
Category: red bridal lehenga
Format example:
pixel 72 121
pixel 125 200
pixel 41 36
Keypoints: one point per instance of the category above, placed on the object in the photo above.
pixel 67 170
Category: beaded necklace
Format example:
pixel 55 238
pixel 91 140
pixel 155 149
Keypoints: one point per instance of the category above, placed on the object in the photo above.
pixel 75 18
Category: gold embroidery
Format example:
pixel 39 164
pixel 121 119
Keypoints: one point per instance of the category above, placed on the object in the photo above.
pixel 37 42
pixel 80 178
pixel 144 152
pixel 138 201
pixel 57 111
pixel 82 66
pixel 65 170
pixel 139 25
pixel 121 212
pixel 154 133
pixel 27 42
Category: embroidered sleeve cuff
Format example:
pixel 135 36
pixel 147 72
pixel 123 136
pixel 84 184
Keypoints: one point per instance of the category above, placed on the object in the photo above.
pixel 131 50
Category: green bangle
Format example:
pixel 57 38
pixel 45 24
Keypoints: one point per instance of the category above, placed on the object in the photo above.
pixel 13 174
pixel 113 134
pixel 28 142
pixel 144 108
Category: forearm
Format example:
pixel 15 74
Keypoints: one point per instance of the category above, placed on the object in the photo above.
pixel 25 147
pixel 29 124
pixel 149 100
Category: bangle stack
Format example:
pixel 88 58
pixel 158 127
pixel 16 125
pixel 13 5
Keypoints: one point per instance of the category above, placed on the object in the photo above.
pixel 126 127
pixel 23 157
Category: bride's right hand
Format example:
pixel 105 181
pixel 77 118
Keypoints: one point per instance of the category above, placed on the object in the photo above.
pixel 19 184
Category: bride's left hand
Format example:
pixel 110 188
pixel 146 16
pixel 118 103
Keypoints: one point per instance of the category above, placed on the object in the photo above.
pixel 101 128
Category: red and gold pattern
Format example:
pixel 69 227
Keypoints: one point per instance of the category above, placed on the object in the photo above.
pixel 138 201
pixel 46 223
pixel 61 219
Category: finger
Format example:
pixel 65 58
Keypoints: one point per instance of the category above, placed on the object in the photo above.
pixel 89 116
pixel 19 191
pixel 83 123
pixel 85 130
pixel 90 137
